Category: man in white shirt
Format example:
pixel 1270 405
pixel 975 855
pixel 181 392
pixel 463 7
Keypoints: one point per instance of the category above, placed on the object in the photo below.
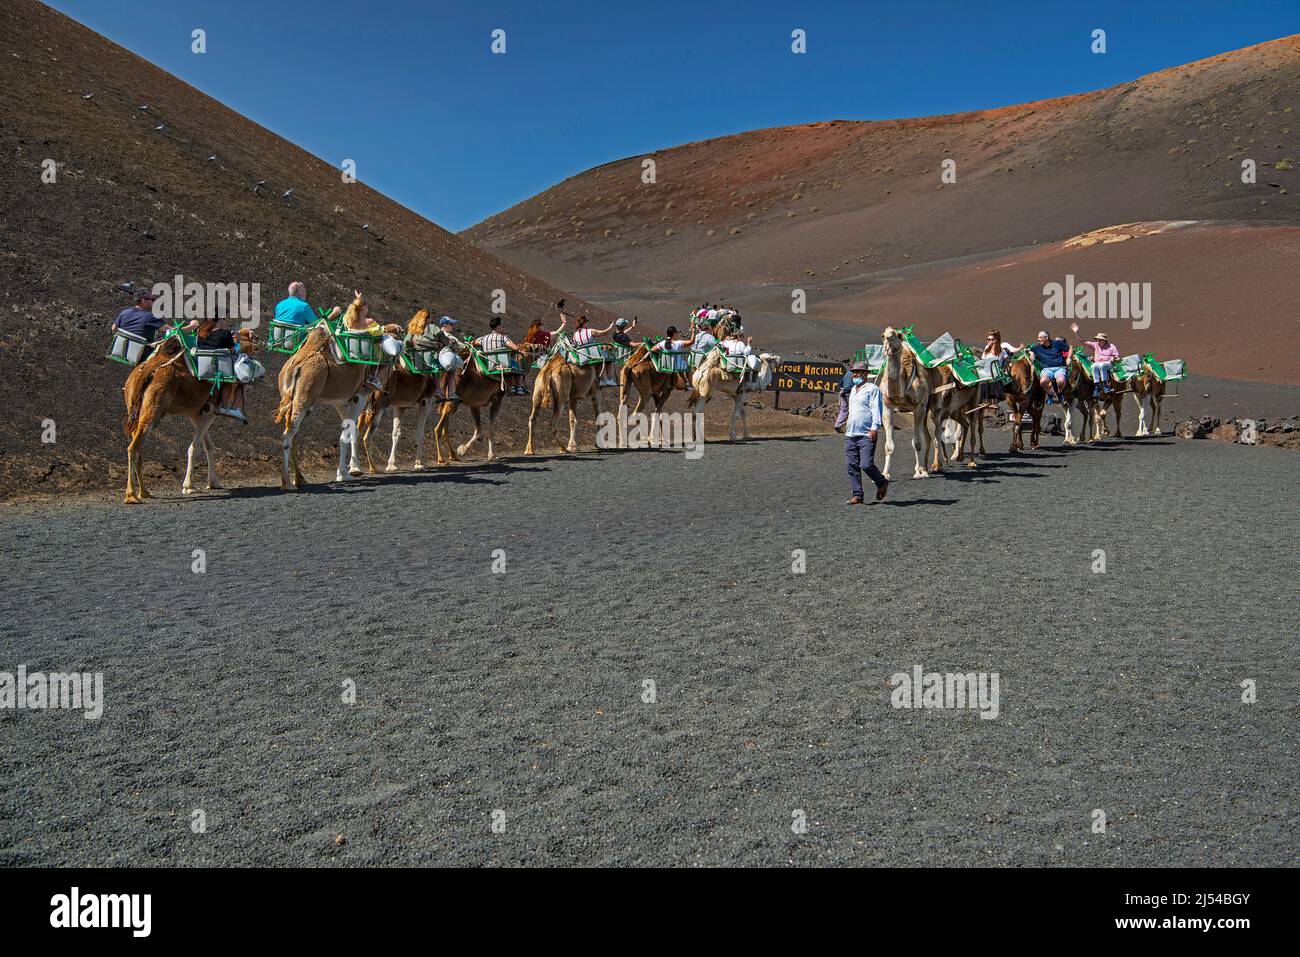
pixel 866 413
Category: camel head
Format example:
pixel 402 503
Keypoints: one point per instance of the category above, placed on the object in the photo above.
pixel 249 344
pixel 419 322
pixel 892 340
pixel 769 363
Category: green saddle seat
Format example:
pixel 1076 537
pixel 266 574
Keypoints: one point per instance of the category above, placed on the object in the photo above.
pixel 873 354
pixel 420 361
pixel 127 347
pixel 943 349
pixel 1171 370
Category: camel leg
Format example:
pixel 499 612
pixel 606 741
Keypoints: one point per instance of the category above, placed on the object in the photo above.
pixel 573 426
pixel 532 421
pixel 290 456
pixel 208 451
pixel 468 444
pixel 887 426
pixel 201 426
pixel 1069 425
pixel 397 436
pixel 421 424
pixel 150 412
pixel 132 496
pixel 920 447
pixel 353 412
pixel 489 429
pixel 1154 427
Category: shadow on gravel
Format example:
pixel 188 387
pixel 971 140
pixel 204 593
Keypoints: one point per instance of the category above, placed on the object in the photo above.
pixel 919 501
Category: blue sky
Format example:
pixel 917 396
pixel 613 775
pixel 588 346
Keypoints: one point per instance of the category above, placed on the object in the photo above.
pixel 411 90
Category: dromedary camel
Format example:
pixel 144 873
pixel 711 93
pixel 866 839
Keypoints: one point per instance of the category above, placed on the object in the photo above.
pixel 404 390
pixel 1019 391
pixel 652 386
pixel 163 385
pixel 905 386
pixel 712 380
pixel 1095 423
pixel 1147 387
pixel 952 401
pixel 1077 394
pixel 560 384
pixel 476 392
pixel 314 375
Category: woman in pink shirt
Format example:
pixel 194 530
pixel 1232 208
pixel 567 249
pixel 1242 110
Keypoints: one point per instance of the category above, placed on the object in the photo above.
pixel 1103 356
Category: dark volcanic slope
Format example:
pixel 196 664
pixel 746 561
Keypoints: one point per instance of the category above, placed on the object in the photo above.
pixel 840 198
pixel 132 202
pixel 522 691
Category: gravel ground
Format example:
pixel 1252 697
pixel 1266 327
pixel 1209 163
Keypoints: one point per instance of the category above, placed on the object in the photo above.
pixel 523 691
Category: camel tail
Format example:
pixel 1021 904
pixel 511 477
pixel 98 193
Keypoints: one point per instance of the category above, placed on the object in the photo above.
pixel 550 389
pixel 285 408
pixel 133 392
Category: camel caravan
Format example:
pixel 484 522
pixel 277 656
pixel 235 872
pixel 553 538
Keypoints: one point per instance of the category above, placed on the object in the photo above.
pixel 368 371
pixel 948 390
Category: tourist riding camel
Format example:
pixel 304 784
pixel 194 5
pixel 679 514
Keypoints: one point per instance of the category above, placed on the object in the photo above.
pixel 477 390
pixel 734 378
pixel 1051 355
pixel 652 386
pixel 409 390
pixel 317 375
pixel 163 385
pixel 561 384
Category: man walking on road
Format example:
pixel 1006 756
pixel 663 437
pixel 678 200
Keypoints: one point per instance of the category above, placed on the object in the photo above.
pixel 860 431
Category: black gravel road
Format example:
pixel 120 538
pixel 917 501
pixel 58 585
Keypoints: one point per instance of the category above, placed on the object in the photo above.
pixel 519 698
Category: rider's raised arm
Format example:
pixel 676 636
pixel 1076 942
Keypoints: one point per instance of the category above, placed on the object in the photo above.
pixel 601 332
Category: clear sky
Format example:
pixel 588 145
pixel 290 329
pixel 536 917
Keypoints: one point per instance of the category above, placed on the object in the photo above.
pixel 411 90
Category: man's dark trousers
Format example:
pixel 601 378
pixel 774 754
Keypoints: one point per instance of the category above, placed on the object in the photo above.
pixel 859 457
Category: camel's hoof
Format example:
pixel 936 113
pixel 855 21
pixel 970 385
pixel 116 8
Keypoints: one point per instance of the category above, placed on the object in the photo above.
pixel 1157 432
pixel 131 500
pixel 357 473
pixel 389 468
pixel 145 493
pixel 186 490
pixel 418 467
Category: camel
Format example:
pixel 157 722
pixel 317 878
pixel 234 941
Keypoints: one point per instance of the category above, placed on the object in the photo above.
pixel 315 376
pixel 476 391
pixel 404 390
pixel 651 385
pixel 1146 387
pixel 1078 393
pixel 905 386
pixel 1113 400
pixel 163 385
pixel 711 379
pixel 561 384
pixel 950 400
pixel 1019 392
